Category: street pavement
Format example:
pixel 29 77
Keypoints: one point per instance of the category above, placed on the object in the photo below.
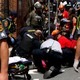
pixel 68 74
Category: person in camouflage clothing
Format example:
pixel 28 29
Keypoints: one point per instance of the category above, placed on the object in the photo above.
pixel 35 18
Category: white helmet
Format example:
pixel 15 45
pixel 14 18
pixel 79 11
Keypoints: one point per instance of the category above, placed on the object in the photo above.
pixel 37 5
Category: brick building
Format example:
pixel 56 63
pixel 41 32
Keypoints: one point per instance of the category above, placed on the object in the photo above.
pixel 13 5
pixel 21 7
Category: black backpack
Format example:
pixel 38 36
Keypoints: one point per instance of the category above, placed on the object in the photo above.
pixel 26 43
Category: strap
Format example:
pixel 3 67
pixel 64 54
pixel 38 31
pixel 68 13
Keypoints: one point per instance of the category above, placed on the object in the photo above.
pixel 50 47
pixel 78 22
pixel 29 36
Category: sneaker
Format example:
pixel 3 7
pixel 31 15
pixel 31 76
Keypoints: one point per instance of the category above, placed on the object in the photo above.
pixel 62 70
pixel 48 73
pixel 76 69
pixel 75 65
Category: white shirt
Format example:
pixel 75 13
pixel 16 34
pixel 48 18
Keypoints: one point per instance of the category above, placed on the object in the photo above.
pixel 63 3
pixel 55 45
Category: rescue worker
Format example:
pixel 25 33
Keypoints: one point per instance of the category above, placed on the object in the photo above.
pixel 50 51
pixel 26 42
pixel 10 29
pixel 68 47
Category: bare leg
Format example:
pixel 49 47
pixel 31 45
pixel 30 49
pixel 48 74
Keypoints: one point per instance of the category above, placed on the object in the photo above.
pixel 77 55
pixel 4 60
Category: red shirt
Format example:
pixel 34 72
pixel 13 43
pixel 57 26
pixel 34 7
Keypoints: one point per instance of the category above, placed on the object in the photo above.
pixel 66 42
pixel 65 14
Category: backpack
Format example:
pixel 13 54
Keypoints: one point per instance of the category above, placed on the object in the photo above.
pixel 27 29
pixel 26 43
pixel 78 23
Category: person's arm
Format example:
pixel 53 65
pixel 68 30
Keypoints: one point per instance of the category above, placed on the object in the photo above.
pixel 4 53
pixel 28 21
pixel 74 27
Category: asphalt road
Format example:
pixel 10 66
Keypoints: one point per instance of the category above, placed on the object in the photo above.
pixel 69 74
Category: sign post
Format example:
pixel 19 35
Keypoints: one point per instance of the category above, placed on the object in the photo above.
pixel 49 16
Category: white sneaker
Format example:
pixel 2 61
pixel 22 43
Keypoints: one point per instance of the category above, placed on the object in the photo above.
pixel 75 65
pixel 62 70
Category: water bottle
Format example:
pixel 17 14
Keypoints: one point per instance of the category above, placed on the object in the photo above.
pixel 21 66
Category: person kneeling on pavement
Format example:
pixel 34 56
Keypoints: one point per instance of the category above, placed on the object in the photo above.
pixel 68 47
pixel 50 51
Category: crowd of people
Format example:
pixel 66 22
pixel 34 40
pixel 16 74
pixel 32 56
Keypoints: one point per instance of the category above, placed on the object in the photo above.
pixel 63 44
pixel 49 52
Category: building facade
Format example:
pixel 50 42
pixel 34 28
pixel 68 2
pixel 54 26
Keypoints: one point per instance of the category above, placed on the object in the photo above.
pixel 21 7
